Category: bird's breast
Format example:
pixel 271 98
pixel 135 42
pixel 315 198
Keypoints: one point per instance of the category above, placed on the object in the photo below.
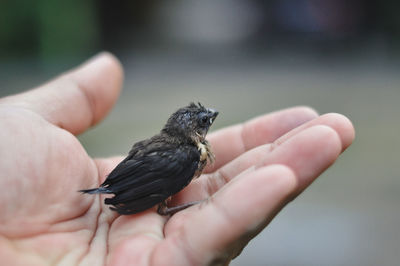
pixel 203 151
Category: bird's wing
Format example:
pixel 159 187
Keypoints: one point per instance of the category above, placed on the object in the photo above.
pixel 145 179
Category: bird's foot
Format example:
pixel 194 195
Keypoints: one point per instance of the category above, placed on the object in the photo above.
pixel 163 209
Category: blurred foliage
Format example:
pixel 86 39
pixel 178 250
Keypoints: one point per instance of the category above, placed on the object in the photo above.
pixel 50 30
pixel 47 28
pixel 18 30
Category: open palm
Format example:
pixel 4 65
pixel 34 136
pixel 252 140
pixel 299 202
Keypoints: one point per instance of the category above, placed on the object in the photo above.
pixel 261 166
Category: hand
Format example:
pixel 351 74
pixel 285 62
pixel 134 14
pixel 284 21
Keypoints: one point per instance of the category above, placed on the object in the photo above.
pixel 261 166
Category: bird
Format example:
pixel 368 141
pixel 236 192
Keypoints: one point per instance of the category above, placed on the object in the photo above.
pixel 159 167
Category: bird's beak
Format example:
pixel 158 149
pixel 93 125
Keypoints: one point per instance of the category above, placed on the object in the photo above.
pixel 213 114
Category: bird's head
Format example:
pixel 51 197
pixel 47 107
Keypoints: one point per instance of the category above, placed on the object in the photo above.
pixel 191 121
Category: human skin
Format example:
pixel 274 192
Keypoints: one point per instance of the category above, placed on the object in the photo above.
pixel 261 165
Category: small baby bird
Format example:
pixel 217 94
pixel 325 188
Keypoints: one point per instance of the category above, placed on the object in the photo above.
pixel 161 166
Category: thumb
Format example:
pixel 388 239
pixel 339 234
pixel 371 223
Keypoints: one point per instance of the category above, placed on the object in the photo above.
pixel 77 99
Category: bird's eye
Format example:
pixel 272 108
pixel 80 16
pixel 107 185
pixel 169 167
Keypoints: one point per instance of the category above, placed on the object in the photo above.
pixel 203 120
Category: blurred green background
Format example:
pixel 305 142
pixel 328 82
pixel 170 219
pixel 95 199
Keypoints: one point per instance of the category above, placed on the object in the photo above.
pixel 244 58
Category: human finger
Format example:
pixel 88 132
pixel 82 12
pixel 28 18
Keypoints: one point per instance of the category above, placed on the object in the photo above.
pixel 230 142
pixel 77 99
pixel 233 216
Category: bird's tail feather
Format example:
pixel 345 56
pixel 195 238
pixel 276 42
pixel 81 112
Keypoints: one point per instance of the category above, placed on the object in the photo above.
pixel 100 190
